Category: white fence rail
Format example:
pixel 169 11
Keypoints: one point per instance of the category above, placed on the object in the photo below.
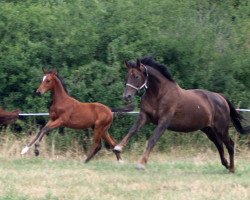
pixel 133 112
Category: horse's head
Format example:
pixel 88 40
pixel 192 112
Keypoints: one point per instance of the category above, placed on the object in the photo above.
pixel 47 83
pixel 136 79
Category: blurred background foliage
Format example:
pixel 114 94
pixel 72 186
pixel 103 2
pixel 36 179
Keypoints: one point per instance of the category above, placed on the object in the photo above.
pixel 205 44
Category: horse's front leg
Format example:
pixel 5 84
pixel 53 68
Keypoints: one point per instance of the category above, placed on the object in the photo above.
pixel 151 143
pixel 141 120
pixel 48 127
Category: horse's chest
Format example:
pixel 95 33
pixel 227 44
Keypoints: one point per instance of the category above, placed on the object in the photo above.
pixel 54 113
pixel 153 115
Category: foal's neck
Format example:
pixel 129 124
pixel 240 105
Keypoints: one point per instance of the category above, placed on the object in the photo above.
pixel 59 93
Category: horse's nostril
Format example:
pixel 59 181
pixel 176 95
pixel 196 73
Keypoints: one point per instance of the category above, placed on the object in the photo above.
pixel 128 97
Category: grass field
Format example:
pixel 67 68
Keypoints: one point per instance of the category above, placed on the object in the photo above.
pixel 168 176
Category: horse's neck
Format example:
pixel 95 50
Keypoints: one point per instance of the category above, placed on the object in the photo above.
pixel 59 93
pixel 159 84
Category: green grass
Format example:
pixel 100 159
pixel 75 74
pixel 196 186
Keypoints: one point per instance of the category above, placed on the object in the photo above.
pixel 199 176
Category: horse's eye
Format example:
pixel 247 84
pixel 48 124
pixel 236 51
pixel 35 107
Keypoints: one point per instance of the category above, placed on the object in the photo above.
pixel 47 81
pixel 136 77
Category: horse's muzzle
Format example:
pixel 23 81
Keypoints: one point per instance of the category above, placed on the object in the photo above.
pixel 128 97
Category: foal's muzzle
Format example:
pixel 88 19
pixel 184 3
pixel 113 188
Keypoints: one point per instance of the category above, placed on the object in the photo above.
pixel 38 93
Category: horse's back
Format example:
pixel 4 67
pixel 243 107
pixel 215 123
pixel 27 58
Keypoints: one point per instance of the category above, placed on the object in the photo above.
pixel 197 109
pixel 215 103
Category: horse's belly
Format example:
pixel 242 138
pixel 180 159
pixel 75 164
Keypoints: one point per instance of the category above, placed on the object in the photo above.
pixel 184 128
pixel 188 124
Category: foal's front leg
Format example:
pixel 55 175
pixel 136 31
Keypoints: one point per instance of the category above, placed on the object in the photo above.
pixel 48 127
pixel 141 120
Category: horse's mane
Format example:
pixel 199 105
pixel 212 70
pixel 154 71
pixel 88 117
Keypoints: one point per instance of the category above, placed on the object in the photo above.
pixel 159 67
pixel 61 80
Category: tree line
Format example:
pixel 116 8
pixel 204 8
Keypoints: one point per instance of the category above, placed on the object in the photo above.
pixel 204 43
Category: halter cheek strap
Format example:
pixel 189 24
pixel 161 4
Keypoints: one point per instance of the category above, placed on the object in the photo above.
pixel 144 85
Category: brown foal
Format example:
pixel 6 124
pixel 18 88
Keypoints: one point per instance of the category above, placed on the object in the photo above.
pixel 68 112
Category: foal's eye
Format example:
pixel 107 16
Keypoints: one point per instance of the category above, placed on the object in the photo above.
pixel 136 77
pixel 47 81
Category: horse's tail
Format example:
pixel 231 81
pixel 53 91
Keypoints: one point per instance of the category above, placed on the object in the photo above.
pixel 128 108
pixel 236 118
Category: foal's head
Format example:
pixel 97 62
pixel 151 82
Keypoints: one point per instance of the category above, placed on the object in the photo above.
pixel 136 79
pixel 47 83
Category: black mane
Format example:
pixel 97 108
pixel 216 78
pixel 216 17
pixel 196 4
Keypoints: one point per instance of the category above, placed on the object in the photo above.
pixel 159 67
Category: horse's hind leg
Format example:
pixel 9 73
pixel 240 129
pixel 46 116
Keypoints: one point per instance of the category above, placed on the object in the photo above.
pixel 230 148
pixel 211 134
pixel 111 142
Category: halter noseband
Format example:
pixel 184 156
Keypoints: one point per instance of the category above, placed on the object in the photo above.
pixel 144 85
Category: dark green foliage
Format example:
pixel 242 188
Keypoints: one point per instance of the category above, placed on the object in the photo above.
pixel 204 43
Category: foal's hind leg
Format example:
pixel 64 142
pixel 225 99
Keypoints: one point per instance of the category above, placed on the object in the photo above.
pixel 111 141
pixel 96 146
pixel 211 134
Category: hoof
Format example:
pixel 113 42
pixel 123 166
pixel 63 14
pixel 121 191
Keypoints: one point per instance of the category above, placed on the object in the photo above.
pixel 117 149
pixel 37 152
pixel 25 150
pixel 232 170
pixel 121 161
pixel 140 166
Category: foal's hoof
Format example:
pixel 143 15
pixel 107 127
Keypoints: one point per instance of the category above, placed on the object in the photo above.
pixel 25 150
pixel 117 149
pixel 140 166
pixel 37 152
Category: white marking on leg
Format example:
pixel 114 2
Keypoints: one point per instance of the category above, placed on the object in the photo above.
pixel 118 148
pixel 25 150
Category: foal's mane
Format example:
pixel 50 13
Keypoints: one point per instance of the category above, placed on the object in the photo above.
pixel 60 79
pixel 157 66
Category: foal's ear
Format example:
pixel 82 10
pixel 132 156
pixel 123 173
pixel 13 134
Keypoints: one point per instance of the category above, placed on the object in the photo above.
pixel 127 64
pixel 55 71
pixel 44 71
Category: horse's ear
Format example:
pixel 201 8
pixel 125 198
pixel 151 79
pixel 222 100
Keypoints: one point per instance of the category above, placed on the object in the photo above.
pixel 127 64
pixel 138 63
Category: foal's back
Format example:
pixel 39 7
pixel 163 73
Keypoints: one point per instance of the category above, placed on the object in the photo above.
pixel 85 115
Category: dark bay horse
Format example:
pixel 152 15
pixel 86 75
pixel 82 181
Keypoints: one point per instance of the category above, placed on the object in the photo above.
pixel 68 112
pixel 168 106
pixel 7 117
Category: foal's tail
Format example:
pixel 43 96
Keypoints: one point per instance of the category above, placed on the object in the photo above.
pixel 236 118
